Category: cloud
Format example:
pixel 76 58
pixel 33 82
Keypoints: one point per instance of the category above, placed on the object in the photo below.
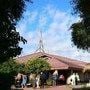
pixel 42 21
pixel 55 26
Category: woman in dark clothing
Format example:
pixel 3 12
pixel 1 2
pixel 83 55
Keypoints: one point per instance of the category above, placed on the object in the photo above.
pixel 42 79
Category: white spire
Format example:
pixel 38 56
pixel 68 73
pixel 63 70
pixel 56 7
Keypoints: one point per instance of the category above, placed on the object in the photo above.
pixel 40 45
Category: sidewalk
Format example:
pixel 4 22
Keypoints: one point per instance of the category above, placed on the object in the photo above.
pixel 63 87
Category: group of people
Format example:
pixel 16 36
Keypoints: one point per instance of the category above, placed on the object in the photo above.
pixel 73 79
pixel 35 79
pixel 57 78
pixel 21 80
pixel 38 80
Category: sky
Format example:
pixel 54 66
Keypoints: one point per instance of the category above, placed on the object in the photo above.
pixel 53 18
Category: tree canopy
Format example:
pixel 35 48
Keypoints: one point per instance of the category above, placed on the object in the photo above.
pixel 11 67
pixel 79 36
pixel 8 67
pixel 10 13
pixel 20 68
pixel 81 30
pixel 8 70
pixel 82 7
pixel 37 65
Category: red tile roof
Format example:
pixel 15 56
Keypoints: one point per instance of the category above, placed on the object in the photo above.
pixel 56 62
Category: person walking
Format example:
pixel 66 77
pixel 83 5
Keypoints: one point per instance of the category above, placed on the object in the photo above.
pixel 77 79
pixel 42 79
pixel 24 80
pixel 37 81
pixel 55 77
pixel 33 79
pixel 18 80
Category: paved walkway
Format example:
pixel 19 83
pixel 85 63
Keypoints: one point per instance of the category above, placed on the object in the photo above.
pixel 64 87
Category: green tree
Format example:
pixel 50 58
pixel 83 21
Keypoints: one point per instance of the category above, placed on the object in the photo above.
pixel 81 30
pixel 10 13
pixel 37 65
pixel 8 70
pixel 20 68
pixel 82 8
pixel 79 36
pixel 9 66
